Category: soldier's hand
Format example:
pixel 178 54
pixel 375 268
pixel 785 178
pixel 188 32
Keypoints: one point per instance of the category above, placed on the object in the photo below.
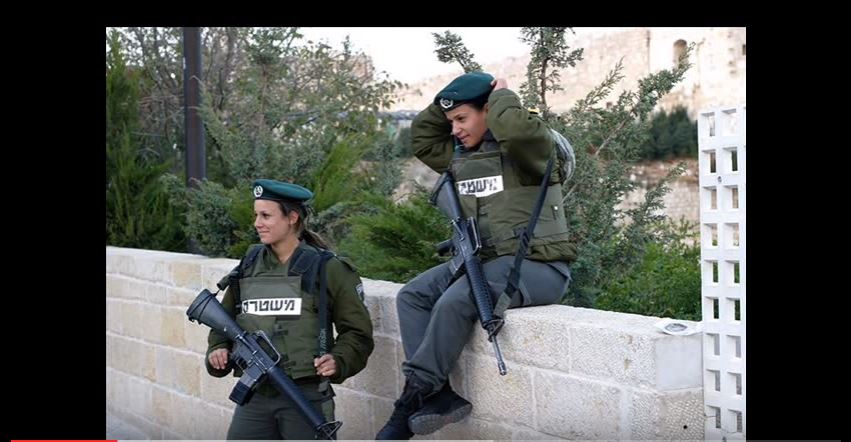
pixel 219 358
pixel 325 365
pixel 499 83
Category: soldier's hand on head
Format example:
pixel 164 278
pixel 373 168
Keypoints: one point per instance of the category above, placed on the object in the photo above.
pixel 325 365
pixel 499 83
pixel 219 358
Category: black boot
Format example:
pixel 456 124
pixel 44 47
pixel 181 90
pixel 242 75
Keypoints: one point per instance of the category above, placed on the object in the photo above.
pixel 444 408
pixel 409 402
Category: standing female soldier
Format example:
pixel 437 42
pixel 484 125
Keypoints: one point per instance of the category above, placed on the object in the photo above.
pixel 498 152
pixel 293 269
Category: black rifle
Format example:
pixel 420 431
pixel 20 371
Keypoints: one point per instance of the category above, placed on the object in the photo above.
pixel 465 240
pixel 258 359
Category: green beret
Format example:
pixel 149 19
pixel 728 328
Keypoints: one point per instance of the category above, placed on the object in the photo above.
pixel 280 191
pixel 463 89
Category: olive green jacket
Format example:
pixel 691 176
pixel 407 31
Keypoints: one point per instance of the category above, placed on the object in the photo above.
pixel 353 343
pixel 524 139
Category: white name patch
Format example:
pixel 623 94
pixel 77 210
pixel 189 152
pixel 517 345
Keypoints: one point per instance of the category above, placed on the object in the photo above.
pixel 480 187
pixel 272 306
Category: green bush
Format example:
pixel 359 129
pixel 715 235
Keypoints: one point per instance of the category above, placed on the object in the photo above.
pixel 337 178
pixel 396 242
pixel 671 135
pixel 219 220
pixel 346 175
pixel 138 211
pixel 385 174
pixel 241 211
pixel 665 283
pixel 403 143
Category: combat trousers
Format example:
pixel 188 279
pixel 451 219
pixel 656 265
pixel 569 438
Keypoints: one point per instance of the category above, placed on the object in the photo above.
pixel 278 417
pixel 437 314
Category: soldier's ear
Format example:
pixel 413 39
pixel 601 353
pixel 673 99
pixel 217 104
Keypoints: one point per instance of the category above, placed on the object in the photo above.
pixel 485 109
pixel 293 216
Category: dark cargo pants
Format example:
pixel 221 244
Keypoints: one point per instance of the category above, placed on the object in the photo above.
pixel 277 417
pixel 437 315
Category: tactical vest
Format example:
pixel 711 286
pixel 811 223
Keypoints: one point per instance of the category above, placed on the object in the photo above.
pixel 490 188
pixel 286 306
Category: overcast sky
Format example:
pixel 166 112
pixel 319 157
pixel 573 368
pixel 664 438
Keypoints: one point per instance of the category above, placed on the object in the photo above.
pixel 407 54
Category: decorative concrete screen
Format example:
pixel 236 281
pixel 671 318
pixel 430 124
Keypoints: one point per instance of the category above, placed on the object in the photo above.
pixel 721 145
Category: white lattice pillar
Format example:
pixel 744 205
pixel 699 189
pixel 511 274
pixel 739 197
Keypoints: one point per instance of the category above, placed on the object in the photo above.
pixel 722 165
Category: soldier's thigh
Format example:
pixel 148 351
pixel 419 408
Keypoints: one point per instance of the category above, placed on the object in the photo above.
pixel 254 420
pixel 540 283
pixel 294 425
pixel 430 284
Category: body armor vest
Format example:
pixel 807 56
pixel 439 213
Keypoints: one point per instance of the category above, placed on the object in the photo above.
pixel 286 307
pixel 489 188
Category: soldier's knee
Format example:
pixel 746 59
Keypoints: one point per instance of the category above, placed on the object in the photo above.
pixel 455 303
pixel 406 298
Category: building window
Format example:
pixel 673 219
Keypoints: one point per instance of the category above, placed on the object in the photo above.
pixel 679 49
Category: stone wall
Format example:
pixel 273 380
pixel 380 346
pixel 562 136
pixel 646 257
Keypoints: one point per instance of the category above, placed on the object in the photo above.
pixel 573 373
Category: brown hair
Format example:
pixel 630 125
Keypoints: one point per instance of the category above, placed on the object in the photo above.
pixel 304 233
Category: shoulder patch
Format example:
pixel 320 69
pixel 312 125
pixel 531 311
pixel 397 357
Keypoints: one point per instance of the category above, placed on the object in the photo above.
pixel 359 289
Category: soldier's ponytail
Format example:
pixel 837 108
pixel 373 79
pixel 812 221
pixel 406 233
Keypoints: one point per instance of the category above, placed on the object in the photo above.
pixel 304 233
pixel 313 238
